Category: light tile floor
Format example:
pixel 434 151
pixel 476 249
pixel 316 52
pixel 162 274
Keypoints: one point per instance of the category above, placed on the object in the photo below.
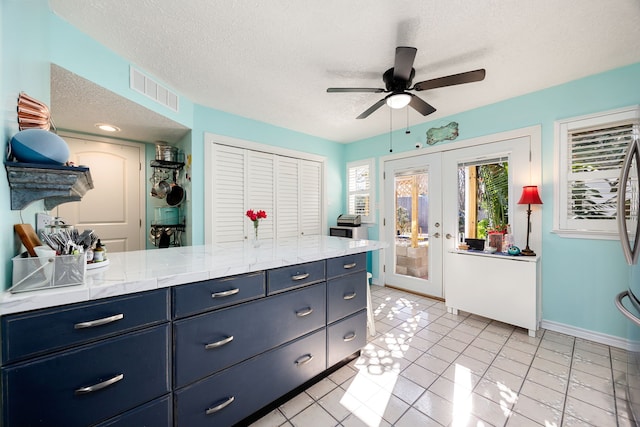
pixel 426 367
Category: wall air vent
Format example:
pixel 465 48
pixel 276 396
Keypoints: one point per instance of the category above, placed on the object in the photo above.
pixel 149 87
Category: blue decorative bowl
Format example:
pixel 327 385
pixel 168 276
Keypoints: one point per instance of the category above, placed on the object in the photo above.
pixel 39 146
pixel 513 250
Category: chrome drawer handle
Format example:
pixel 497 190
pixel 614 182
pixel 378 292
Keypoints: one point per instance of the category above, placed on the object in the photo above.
pixel 307 311
pixel 99 386
pixel 225 293
pixel 349 266
pixel 300 276
pixel 304 360
pixel 99 322
pixel 350 337
pixel 349 296
pixel 220 343
pixel 220 407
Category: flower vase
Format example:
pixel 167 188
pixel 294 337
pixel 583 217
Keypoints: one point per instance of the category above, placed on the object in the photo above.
pixel 256 242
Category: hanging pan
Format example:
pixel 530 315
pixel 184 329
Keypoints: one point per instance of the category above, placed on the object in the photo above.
pixel 177 194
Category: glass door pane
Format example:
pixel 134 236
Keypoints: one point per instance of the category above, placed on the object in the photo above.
pixel 412 228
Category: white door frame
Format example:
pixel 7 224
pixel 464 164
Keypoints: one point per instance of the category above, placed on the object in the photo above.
pixel 535 135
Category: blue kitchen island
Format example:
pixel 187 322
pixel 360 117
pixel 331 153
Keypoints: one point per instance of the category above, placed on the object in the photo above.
pixel 188 336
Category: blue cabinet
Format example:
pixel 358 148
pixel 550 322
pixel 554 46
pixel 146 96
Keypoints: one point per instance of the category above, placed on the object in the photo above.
pixel 346 295
pixel 200 354
pixel 207 343
pixel 88 384
pixel 157 413
pixel 217 293
pixel 346 265
pixel 294 276
pixel 231 395
pixel 346 337
pixel 42 331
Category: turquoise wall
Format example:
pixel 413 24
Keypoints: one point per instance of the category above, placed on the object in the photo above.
pixel 572 293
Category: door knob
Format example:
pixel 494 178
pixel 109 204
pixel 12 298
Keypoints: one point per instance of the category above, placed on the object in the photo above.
pixel 437 224
pixel 448 236
pixel 436 235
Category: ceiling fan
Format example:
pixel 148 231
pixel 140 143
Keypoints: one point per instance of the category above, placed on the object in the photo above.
pixel 398 81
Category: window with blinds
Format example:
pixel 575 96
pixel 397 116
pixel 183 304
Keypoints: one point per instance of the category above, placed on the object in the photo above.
pixel 360 189
pixel 593 152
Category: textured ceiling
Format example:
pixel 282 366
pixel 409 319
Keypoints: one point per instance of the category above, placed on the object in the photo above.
pixel 272 60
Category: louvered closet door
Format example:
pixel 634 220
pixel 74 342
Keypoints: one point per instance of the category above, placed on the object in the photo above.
pixel 261 191
pixel 229 194
pixel 287 197
pixel 310 197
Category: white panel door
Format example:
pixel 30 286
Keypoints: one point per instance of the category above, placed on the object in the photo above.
pixel 287 197
pixel 228 211
pixel 114 207
pixel 310 197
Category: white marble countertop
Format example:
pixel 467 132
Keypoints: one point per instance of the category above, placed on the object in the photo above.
pixel 137 271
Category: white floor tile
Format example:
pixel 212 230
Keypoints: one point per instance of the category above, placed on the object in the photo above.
pixel 427 367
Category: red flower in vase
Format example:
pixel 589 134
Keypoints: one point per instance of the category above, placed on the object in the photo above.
pixel 255 217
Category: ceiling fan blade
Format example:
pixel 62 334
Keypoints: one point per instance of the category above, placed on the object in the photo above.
pixel 355 89
pixel 371 109
pixel 404 62
pixel 421 106
pixel 454 79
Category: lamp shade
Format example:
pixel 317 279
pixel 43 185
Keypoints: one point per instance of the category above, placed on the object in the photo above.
pixel 398 100
pixel 530 196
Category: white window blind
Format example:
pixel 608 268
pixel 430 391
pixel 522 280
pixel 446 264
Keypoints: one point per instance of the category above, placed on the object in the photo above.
pixel 360 191
pixel 593 149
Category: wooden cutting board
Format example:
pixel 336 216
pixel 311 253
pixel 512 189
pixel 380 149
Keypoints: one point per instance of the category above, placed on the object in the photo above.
pixel 28 236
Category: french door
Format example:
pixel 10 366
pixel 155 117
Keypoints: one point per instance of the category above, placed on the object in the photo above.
pixel 413 224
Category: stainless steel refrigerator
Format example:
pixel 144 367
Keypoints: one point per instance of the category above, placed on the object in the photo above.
pixel 628 301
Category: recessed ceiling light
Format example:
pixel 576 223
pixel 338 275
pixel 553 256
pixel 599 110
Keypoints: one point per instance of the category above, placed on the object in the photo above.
pixel 107 127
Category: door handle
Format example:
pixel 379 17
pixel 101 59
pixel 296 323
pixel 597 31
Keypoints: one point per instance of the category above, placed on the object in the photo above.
pixel 448 236
pixel 436 235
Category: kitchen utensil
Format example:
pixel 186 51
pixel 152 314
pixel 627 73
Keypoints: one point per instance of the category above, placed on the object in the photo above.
pixel 167 215
pixel 165 240
pixel 160 189
pixel 176 195
pixel 28 237
pixel 167 153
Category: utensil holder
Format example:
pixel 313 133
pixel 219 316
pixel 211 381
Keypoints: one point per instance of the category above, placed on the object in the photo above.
pixel 35 273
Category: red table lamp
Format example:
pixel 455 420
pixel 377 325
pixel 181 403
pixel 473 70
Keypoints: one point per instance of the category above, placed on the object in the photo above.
pixel 529 197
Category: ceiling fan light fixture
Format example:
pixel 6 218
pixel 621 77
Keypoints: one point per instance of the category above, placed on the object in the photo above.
pixel 398 100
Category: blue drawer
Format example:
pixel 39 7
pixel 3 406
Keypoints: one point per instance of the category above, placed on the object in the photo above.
pixel 249 386
pixel 209 342
pixel 294 276
pixel 346 264
pixel 217 293
pixel 346 295
pixel 346 337
pixel 154 414
pixel 53 390
pixel 36 332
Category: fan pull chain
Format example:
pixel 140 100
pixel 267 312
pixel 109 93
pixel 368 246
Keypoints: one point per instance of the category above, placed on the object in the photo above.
pixel 407 132
pixel 390 130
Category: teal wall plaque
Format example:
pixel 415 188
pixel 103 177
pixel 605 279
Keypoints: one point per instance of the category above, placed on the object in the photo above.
pixel 443 133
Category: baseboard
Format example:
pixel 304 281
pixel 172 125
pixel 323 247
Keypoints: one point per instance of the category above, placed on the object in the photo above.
pixel 586 334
